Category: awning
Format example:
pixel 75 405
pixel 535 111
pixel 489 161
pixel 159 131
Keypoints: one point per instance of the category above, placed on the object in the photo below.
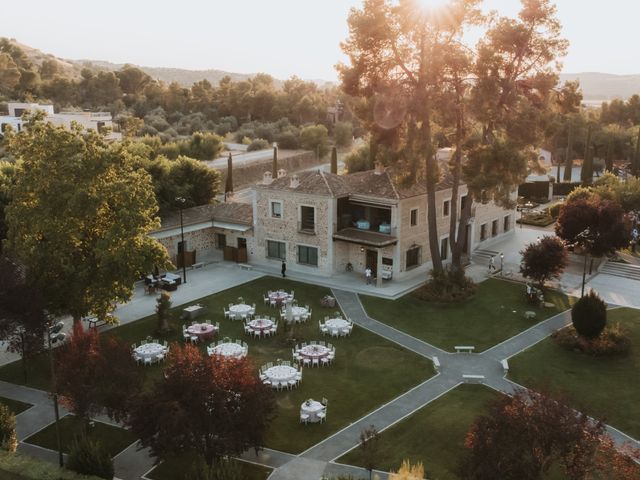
pixel 365 237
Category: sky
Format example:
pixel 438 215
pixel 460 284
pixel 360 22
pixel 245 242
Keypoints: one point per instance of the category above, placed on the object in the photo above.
pixel 279 37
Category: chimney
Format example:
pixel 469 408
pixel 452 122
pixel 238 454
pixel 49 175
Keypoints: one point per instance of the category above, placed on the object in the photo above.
pixel 379 168
pixel 295 183
pixel 267 178
pixel 282 173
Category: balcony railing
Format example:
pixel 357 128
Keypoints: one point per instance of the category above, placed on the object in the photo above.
pixel 306 228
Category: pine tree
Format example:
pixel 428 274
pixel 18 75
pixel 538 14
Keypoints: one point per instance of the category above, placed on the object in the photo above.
pixel 274 168
pixel 228 188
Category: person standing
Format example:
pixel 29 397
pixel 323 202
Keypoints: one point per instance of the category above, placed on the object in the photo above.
pixel 284 269
pixel 492 265
pixel 368 275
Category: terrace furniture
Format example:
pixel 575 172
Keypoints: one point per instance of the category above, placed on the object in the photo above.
pixel 464 349
pixel 505 365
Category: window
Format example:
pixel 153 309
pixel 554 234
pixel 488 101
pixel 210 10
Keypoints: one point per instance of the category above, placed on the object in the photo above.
pixel 414 217
pixel 307 219
pixel 276 249
pixel 444 248
pixel 494 228
pixel 221 240
pixel 307 255
pixel 445 207
pixel 276 209
pixel 507 223
pixel 414 255
pixel 463 202
pixel 483 232
pixel 100 126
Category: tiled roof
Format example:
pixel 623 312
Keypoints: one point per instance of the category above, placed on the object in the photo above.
pixel 231 212
pixel 370 183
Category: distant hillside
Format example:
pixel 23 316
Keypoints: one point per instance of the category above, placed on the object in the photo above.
pixel 605 86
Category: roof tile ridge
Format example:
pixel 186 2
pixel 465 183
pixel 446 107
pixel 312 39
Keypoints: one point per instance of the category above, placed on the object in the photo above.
pixel 393 185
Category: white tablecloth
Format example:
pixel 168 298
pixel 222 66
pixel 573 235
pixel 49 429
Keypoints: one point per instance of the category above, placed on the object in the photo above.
pixel 336 325
pixel 280 296
pixel 228 350
pixel 240 309
pixel 260 324
pixel 150 350
pixel 280 373
pixel 299 311
pixel 312 410
pixel 314 351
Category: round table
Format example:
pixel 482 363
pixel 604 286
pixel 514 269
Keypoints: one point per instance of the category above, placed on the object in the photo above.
pixel 200 332
pixel 228 350
pixel 150 350
pixel 280 373
pixel 336 325
pixel 314 351
pixel 240 309
pixel 298 312
pixel 312 408
pixel 279 297
pixel 260 324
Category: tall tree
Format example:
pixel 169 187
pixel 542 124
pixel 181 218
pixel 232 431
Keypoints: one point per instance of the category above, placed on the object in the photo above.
pixel 228 186
pixel 586 173
pixel 215 406
pixel 96 374
pixel 544 259
pixel 80 218
pixel 523 436
pixel 22 320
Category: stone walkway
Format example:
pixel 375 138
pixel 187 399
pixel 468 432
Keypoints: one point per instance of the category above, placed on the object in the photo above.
pixel 320 459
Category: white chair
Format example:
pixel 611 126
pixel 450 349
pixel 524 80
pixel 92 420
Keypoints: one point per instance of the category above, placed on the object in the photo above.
pixel 325 361
pixel 194 339
pixel 306 361
pixel 160 357
pixel 304 418
pixel 322 415
pixel 266 300
pixel 186 336
pixel 315 362
pixel 292 384
pixel 226 312
pixel 247 330
pixel 273 303
pixel 147 360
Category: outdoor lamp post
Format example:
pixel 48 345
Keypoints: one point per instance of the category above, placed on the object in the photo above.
pixel 585 240
pixel 502 264
pixel 181 201
pixel 55 335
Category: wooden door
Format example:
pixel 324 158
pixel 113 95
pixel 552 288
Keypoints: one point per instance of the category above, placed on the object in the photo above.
pixel 372 262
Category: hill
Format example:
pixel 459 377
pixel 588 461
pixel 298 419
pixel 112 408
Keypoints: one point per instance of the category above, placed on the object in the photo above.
pixel 605 86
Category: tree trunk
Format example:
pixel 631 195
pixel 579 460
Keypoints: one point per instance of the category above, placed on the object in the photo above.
pixel 431 182
pixel 586 174
pixel 274 166
pixel 568 159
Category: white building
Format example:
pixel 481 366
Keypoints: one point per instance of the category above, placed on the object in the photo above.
pixel 97 121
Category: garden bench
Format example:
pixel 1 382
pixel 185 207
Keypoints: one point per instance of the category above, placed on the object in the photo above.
pixel 478 378
pixel 505 365
pixel 198 265
pixel 462 349
pixel 436 363
pixel 245 266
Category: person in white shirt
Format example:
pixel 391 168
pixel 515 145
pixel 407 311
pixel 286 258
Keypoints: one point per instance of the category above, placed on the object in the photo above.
pixel 368 274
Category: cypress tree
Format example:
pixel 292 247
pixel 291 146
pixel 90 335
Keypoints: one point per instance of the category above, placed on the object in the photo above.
pixel 568 160
pixel 608 161
pixel 334 160
pixel 228 187
pixel 586 174
pixel 274 167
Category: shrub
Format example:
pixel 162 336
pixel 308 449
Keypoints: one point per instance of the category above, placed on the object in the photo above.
pixel 163 307
pixel 224 469
pixel 258 144
pixel 29 468
pixel 450 285
pixel 8 439
pixel 554 210
pixel 343 134
pixel 589 315
pixel 544 259
pixel 90 458
pixel 288 140
pixel 358 159
pixel 613 341
pixel 315 138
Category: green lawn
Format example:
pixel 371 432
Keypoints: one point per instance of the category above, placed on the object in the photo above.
pixel 363 376
pixel 177 468
pixel 607 388
pixel 14 405
pixel 434 435
pixel 114 439
pixel 495 314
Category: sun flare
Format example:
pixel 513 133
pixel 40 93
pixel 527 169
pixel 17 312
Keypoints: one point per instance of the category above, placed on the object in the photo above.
pixel 431 4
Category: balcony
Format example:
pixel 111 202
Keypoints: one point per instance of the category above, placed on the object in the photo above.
pixel 366 237
pixel 307 228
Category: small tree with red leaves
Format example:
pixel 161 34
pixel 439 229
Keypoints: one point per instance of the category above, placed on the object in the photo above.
pixel 215 406
pixel 544 260
pixel 95 375
pixel 522 437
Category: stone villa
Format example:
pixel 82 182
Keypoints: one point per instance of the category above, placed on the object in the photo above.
pixel 323 224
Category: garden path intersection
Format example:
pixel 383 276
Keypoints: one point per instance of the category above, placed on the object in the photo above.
pixel 485 368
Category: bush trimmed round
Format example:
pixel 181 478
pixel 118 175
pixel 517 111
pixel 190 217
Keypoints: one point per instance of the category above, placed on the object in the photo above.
pixel 589 315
